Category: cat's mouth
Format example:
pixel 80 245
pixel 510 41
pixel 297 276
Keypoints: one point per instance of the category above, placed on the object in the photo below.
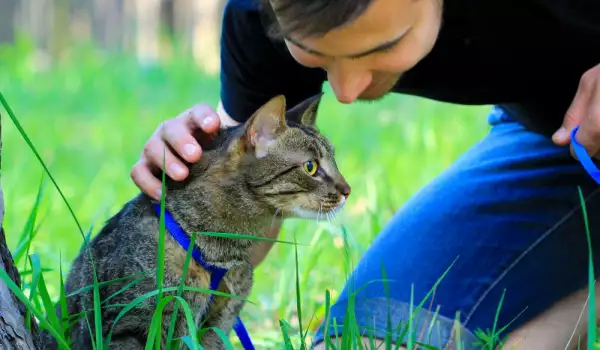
pixel 320 212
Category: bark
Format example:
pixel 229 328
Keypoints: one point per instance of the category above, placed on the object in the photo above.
pixel 148 22
pixel 7 13
pixel 14 333
pixel 206 33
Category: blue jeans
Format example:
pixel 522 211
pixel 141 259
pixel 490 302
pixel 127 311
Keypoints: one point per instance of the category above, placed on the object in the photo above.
pixel 506 216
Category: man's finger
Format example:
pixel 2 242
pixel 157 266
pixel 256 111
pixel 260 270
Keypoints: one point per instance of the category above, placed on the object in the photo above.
pixel 588 134
pixel 576 112
pixel 177 134
pixel 142 176
pixel 157 153
pixel 204 117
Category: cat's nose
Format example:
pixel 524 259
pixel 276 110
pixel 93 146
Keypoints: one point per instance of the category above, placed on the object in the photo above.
pixel 344 189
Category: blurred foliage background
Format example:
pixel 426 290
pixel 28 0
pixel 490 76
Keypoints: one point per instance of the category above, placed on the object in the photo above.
pixel 90 80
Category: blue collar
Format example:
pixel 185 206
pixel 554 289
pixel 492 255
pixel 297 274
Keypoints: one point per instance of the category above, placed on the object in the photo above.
pixel 216 273
pixel 584 158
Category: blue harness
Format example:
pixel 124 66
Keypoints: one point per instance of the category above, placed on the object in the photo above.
pixel 216 273
pixel 584 158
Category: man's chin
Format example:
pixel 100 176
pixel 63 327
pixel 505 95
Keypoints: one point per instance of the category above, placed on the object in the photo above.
pixel 372 97
pixel 377 92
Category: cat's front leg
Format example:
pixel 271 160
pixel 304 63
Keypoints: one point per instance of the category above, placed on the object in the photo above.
pixel 126 343
pixel 181 328
pixel 224 310
pixel 197 302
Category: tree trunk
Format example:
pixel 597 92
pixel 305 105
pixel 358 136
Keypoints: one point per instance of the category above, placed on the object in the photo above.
pixel 147 31
pixel 14 333
pixel 7 15
pixel 59 31
pixel 206 33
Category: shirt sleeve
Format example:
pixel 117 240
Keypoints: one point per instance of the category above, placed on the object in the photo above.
pixel 255 68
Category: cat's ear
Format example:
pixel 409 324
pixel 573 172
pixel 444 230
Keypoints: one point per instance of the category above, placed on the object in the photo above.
pixel 305 112
pixel 265 125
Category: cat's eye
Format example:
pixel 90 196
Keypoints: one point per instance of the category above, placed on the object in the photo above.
pixel 311 167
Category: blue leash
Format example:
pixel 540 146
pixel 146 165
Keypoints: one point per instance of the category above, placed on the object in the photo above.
pixel 216 273
pixel 584 158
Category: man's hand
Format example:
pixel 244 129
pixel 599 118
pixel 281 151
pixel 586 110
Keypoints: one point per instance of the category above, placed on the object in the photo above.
pixel 585 112
pixel 178 133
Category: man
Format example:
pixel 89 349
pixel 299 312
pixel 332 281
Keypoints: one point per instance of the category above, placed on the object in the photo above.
pixel 507 213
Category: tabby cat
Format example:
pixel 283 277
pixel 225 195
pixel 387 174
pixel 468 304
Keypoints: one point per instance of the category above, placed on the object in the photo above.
pixel 277 164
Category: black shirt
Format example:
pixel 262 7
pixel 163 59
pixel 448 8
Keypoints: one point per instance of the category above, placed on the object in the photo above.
pixel 525 55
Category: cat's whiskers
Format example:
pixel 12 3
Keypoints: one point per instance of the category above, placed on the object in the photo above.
pixel 332 218
pixel 320 212
pixel 328 213
pixel 334 215
pixel 273 219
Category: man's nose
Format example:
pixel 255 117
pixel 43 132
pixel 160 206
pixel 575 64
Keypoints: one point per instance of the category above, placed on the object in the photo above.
pixel 348 81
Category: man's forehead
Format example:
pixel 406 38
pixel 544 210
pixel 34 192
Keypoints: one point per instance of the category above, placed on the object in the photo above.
pixel 312 17
pixel 383 45
pixel 382 25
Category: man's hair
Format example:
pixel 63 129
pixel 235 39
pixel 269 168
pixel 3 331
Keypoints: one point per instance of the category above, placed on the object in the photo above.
pixel 306 18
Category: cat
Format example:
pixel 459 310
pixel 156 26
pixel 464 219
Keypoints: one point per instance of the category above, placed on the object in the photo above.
pixel 277 164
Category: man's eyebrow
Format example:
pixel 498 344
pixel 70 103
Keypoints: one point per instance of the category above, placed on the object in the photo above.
pixel 381 47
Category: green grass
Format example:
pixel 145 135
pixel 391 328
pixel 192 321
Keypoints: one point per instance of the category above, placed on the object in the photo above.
pixel 89 117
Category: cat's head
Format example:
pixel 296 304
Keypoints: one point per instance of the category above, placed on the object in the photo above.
pixel 288 164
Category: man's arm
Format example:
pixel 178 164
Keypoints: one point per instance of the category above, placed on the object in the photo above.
pixel 224 117
pixel 255 69
pixel 262 248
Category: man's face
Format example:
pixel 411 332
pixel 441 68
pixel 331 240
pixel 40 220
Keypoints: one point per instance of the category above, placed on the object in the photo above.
pixel 366 58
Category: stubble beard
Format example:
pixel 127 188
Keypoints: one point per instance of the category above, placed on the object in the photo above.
pixel 379 90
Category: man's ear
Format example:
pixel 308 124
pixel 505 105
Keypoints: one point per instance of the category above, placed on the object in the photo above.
pixel 305 112
pixel 265 125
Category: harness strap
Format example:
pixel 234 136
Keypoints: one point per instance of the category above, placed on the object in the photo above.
pixel 216 273
pixel 584 158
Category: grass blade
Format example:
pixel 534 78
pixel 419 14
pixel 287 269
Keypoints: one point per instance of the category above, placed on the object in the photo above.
pixel 70 209
pixel 105 283
pixel 63 302
pixel 43 293
pixel 160 260
pixel 249 237
pixel 97 313
pixel 39 158
pixel 591 336
pixel 285 331
pixel 89 327
pixel 28 231
pixel 156 324
pixel 494 335
pixel 186 263
pixel 298 298
pixel 35 278
pixel 410 343
pixel 36 269
pixel 327 339
pixel 140 299
pixel 160 267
